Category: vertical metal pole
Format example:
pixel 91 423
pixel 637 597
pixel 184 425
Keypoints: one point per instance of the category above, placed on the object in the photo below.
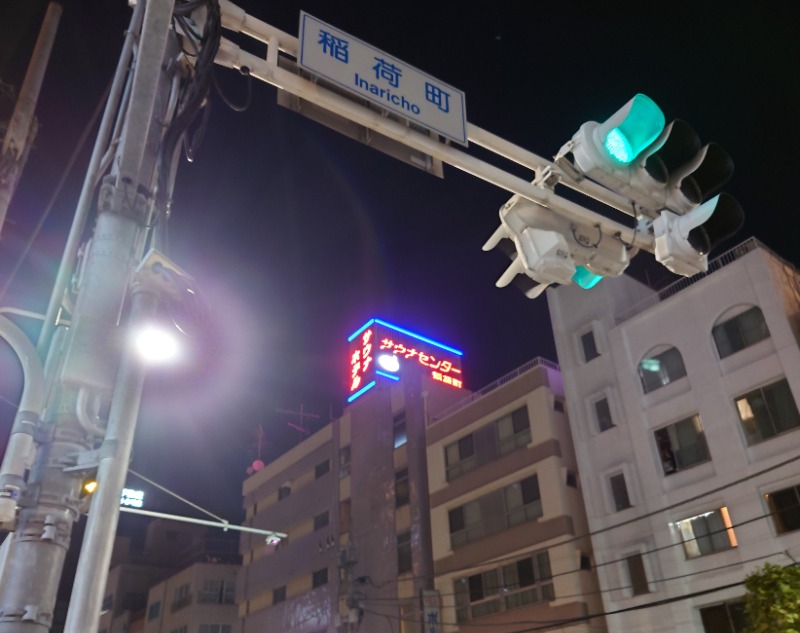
pixel 19 137
pixel 92 361
pixel 98 541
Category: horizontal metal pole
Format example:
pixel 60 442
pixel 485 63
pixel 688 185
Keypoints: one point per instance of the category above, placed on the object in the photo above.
pixel 223 525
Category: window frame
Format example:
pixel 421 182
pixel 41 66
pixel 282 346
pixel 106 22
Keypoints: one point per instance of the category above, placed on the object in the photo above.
pixel 712 535
pixel 748 336
pixel 664 357
pixel 671 453
pixel 615 502
pixel 779 514
pixel 519 437
pixel 319 577
pixel 465 462
pixel 506 587
pixel 755 435
pixel 402 488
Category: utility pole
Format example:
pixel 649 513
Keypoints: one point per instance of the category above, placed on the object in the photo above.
pixel 89 366
pixel 21 128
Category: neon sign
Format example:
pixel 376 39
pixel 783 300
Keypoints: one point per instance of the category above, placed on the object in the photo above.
pixel 380 350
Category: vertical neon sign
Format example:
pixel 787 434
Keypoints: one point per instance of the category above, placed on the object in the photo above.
pixel 379 350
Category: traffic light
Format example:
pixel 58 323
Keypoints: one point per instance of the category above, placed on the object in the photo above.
pixel 546 248
pixel 669 176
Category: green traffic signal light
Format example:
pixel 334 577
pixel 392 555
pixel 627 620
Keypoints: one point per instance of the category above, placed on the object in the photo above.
pixel 635 127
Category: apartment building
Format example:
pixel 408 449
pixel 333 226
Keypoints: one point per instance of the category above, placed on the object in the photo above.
pixel 352 499
pixel 372 547
pixel 509 529
pixel 684 416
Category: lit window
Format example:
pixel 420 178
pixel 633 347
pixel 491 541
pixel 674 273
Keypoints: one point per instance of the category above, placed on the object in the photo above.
pixel 682 445
pixel 784 506
pixel 739 332
pixel 768 411
pixel 619 492
pixel 661 367
pixel 707 533
pixel 399 429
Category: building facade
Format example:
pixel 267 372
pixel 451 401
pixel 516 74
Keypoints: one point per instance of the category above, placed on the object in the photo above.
pixel 508 524
pixel 353 500
pixel 683 409
pixel 372 546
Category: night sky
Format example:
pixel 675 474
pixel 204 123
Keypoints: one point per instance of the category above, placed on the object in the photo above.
pixel 295 235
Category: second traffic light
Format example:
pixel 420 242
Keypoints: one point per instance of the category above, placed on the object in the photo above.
pixel 669 176
pixel 546 248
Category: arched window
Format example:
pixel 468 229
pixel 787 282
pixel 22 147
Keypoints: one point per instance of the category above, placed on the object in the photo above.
pixel 661 366
pixel 738 328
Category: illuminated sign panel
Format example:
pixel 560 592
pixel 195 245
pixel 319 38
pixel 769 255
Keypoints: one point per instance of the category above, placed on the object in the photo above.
pixel 132 498
pixel 379 350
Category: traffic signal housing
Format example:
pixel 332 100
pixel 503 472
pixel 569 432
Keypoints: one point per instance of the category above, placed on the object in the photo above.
pixel 546 248
pixel 671 178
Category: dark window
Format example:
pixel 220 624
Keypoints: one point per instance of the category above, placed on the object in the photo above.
pixel 344 461
pixel 284 491
pixel 153 611
pixel 460 457
pixel 707 533
pixel 728 617
pixel 586 562
pixel 322 469
pixel 659 369
pixel 619 490
pixel 784 506
pixel 321 520
pixel 404 562
pixel 602 411
pixel 399 429
pixel 279 594
pixel 513 431
pixel 637 574
pixel 108 602
pixel 319 577
pixel 743 330
pixel 589 346
pixel 768 411
pixel 572 479
pixel 558 405
pixel 401 489
pixel 682 445
pixel 345 516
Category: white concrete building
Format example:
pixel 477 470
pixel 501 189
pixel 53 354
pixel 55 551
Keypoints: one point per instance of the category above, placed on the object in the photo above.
pixel 683 409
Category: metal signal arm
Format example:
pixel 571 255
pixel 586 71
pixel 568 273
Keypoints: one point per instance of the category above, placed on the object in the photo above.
pixel 547 174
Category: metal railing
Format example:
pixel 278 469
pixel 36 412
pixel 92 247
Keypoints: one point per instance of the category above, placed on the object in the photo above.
pixel 737 252
pixel 477 395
